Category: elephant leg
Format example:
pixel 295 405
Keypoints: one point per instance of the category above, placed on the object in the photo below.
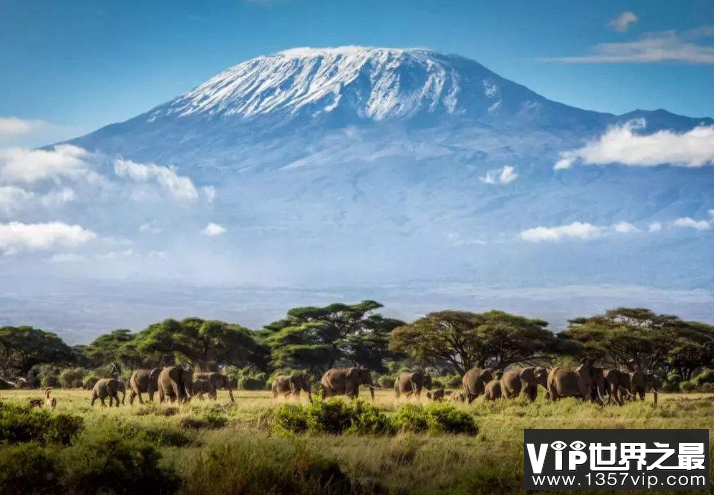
pixel 102 401
pixel 132 396
pixel 151 396
pixel 141 401
pixel 94 398
pixel 116 398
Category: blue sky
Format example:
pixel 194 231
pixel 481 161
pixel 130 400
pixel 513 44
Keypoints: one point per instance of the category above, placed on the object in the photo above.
pixel 81 64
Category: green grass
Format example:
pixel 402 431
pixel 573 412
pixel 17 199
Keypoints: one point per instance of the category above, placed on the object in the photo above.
pixel 223 448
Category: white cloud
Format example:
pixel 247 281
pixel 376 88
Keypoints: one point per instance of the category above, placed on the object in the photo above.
pixel 10 126
pixel 696 224
pixel 16 236
pixel 150 227
pixel 576 230
pixel 662 46
pixel 180 187
pixel 29 166
pixel 210 193
pixel 157 254
pixel 13 198
pixel 621 144
pixel 456 239
pixel 66 258
pixel 213 229
pixel 624 228
pixel 113 255
pixel 504 175
pixel 623 21
pixel 655 227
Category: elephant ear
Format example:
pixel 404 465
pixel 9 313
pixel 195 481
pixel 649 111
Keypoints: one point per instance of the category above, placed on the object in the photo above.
pixel 528 375
pixel 352 372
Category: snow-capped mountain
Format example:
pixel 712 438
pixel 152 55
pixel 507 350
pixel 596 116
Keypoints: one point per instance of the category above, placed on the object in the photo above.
pixel 372 168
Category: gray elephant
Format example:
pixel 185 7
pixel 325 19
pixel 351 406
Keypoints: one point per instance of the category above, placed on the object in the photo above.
pixel 108 387
pixel 457 397
pixel 475 381
pixel 218 380
pixel 346 381
pixel 586 382
pixel 411 384
pixel 201 387
pixel 523 381
pixel 642 382
pixel 493 390
pixel 143 381
pixel 436 395
pixel 618 385
pixel 175 384
pixel 291 385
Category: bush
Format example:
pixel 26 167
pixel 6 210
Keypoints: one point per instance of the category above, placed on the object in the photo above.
pixel 256 382
pixel 50 381
pixel 108 462
pixel 209 418
pixel 411 418
pixel 688 386
pixel 23 424
pixel 672 383
pixel 333 416
pixel 706 376
pixel 445 418
pixel 290 418
pixel 28 468
pixel 370 420
pixel 435 418
pixel 69 378
pixel 90 379
pixel 386 381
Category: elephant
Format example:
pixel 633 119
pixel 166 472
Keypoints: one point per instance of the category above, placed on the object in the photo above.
pixel 291 384
pixel 346 381
pixel 411 384
pixel 642 382
pixel 108 387
pixel 493 390
pixel 143 381
pixel 617 382
pixel 436 395
pixel 218 380
pixel 523 381
pixel 201 387
pixel 457 397
pixel 586 381
pixel 475 381
pixel 175 384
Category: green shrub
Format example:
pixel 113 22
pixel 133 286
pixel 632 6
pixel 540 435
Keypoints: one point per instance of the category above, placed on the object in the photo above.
pixel 70 378
pixel 209 418
pixel 23 424
pixel 445 418
pixel 252 382
pixel 333 416
pixel 435 418
pixel 28 468
pixel 672 383
pixel 368 419
pixel 688 386
pixel 706 376
pixel 411 418
pixel 107 462
pixel 386 381
pixel 90 379
pixel 50 381
pixel 290 418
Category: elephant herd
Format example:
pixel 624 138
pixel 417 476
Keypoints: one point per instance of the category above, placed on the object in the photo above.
pixel 174 384
pixel 587 382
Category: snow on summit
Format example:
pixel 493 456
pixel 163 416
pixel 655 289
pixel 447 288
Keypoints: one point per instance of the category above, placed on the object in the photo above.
pixel 370 83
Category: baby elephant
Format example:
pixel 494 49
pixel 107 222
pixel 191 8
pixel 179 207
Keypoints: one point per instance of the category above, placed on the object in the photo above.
pixel 201 387
pixel 436 395
pixel 108 387
pixel 457 397
pixel 493 390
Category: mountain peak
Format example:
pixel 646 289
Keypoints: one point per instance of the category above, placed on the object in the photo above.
pixel 352 82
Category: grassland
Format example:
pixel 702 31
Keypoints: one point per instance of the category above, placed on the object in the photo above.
pixel 223 448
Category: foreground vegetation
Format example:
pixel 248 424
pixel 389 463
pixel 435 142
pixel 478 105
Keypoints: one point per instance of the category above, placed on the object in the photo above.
pixel 250 446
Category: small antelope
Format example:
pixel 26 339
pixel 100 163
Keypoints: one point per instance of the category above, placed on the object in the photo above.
pixel 50 402
pixel 35 402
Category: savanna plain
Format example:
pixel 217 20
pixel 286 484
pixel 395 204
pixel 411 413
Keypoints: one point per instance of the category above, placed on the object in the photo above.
pixel 263 445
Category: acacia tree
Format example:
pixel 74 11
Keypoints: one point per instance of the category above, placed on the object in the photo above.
pixel 113 348
pixel 318 337
pixel 205 344
pixel 23 347
pixel 640 339
pixel 463 339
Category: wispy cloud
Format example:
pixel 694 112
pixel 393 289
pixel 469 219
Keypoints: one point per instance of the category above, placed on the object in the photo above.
pixel 622 144
pixel 654 227
pixel 16 236
pixel 12 126
pixel 13 198
pixel 150 228
pixel 180 187
pixel 500 176
pixel 623 21
pixel 213 229
pixel 576 230
pixel 456 239
pixel 29 166
pixel 696 224
pixel 663 46
pixel 209 193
